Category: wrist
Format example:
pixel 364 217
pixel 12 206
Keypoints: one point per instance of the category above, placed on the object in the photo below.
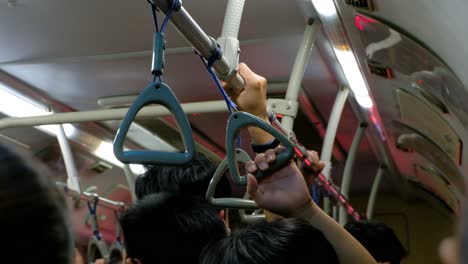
pixel 307 212
pixel 261 148
pixel 260 136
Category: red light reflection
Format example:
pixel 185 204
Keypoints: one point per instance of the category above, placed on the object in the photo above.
pixel 363 23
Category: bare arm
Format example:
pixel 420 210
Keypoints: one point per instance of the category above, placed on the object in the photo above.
pixel 253 100
pixel 285 193
pixel 348 249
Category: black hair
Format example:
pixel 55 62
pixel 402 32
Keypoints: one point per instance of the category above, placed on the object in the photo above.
pixel 282 241
pixel 170 228
pixel 379 240
pixel 33 217
pixel 191 179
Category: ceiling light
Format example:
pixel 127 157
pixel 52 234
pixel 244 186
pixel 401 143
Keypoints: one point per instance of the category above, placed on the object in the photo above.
pixel 364 101
pixel 106 152
pixel 325 8
pixel 344 54
pixel 14 105
pixel 354 77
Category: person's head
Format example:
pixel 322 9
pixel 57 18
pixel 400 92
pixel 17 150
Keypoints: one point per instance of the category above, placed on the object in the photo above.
pixel 169 228
pixel 379 240
pixel 191 179
pixel 33 215
pixel 282 241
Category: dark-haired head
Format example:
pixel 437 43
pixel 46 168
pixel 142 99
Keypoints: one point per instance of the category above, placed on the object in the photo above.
pixel 170 228
pixel 379 240
pixel 191 179
pixel 282 241
pixel 33 215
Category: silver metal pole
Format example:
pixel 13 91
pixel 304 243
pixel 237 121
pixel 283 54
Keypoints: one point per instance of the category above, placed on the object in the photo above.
pixel 73 180
pixel 330 135
pixel 300 64
pixel 108 114
pixel 192 32
pixel 130 180
pixel 348 170
pixel 90 197
pixel 373 193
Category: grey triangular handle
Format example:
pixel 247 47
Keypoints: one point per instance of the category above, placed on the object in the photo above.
pixel 239 120
pixel 158 93
pixel 95 246
pixel 242 157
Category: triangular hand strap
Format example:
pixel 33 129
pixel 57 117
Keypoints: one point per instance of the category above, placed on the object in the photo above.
pixel 116 249
pixel 115 253
pixel 236 203
pixel 241 119
pixel 157 93
pixel 253 217
pixel 97 248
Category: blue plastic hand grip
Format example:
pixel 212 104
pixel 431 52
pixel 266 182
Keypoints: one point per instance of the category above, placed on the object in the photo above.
pixel 157 93
pixel 242 119
pixel 159 45
pixel 234 203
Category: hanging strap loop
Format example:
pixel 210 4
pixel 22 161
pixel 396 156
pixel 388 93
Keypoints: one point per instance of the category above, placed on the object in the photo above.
pixel 217 54
pixel 159 46
pixel 242 157
pixel 159 42
pixel 97 247
pixel 115 252
pixel 242 119
pixel 176 6
pixel 93 214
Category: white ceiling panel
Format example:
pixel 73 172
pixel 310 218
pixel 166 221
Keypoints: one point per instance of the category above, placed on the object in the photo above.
pixel 64 28
pixel 80 84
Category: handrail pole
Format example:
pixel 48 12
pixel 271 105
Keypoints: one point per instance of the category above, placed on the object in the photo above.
pixel 348 170
pixel 107 114
pixel 373 193
pixel 300 64
pixel 91 197
pixel 329 139
pixel 73 180
pixel 203 43
pixel 130 177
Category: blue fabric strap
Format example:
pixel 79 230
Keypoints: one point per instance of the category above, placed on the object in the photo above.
pixel 92 211
pixel 92 208
pixel 175 6
pixel 315 193
pixel 216 55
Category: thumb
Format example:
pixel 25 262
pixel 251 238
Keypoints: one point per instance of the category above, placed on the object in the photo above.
pixel 448 251
pixel 246 73
pixel 252 186
pixel 321 166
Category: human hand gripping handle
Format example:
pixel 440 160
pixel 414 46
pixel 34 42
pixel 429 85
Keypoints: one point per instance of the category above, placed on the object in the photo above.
pixel 312 167
pixel 284 192
pixel 252 99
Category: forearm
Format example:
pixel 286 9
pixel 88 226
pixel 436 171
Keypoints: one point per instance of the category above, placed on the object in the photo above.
pixel 259 136
pixel 348 249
